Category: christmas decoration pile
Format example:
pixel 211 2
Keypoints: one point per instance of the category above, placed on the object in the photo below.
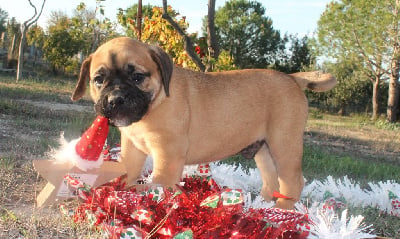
pixel 198 209
pixel 213 201
pixel 202 208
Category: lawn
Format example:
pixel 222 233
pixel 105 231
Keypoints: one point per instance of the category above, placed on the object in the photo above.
pixel 34 112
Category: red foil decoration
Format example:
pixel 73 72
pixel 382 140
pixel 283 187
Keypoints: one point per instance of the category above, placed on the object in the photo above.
pixel 117 210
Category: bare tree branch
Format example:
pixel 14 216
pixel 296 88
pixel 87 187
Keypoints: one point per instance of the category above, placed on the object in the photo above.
pixel 32 20
pixel 24 28
pixel 188 45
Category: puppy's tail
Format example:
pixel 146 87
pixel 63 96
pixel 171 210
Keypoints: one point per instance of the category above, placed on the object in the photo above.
pixel 315 80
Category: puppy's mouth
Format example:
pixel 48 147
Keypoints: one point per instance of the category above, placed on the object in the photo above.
pixel 120 121
pixel 123 108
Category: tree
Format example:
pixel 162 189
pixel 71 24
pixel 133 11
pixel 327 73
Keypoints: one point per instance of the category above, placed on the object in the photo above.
pixel 61 43
pixel 59 47
pixel 349 90
pixel 393 107
pixel 3 20
pixel 156 30
pixel 161 25
pixel 246 33
pixel 24 28
pixel 68 37
pixel 366 32
pixel 13 37
pixel 297 57
pixel 90 29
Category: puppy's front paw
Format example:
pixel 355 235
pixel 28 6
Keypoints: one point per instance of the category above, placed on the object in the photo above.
pixel 268 193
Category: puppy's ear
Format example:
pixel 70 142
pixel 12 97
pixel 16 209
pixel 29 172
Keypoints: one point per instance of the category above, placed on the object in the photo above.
pixel 164 64
pixel 80 88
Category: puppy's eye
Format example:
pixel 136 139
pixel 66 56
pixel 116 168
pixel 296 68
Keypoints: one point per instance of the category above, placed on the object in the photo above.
pixel 98 80
pixel 130 69
pixel 138 78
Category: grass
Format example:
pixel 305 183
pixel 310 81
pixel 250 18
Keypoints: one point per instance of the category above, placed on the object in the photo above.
pixel 367 151
pixel 318 164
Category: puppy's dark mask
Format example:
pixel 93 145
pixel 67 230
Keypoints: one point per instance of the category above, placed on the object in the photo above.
pixel 121 101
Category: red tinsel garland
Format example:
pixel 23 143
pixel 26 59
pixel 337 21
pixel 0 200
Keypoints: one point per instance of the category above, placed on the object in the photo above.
pixel 199 209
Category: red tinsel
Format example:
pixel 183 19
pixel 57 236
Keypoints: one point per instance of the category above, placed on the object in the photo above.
pixel 199 209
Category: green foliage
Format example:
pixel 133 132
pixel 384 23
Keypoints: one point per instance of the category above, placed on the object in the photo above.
pixel 246 33
pixel 383 124
pixel 359 27
pixel 156 30
pixel 365 33
pixel 36 37
pixel 296 58
pixel 127 18
pixel 3 20
pixel 224 62
pixel 72 67
pixel 352 90
pixel 13 30
pixel 82 34
pixel 90 29
pixel 60 46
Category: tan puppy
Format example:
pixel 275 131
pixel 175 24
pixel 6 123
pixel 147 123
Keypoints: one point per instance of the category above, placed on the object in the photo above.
pixel 184 117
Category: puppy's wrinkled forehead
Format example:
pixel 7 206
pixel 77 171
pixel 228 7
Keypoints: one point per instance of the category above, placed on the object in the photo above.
pixel 118 54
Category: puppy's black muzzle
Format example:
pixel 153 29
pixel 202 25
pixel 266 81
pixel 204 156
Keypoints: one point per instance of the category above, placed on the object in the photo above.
pixel 123 105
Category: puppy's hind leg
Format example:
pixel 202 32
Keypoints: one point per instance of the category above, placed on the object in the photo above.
pixel 288 164
pixel 269 174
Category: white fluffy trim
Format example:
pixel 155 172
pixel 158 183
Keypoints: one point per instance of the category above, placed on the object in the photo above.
pixel 67 153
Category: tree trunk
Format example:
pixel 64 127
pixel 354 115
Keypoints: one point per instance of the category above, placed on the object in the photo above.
pixel 12 47
pixel 342 111
pixel 393 94
pixel 139 21
pixel 213 50
pixel 20 63
pixel 375 98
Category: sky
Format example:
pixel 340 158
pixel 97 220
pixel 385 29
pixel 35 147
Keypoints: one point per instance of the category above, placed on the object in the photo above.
pixel 288 16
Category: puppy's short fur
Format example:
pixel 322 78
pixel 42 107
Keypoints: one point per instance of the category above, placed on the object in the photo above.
pixel 184 117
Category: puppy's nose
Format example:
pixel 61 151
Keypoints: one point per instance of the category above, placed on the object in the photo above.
pixel 115 100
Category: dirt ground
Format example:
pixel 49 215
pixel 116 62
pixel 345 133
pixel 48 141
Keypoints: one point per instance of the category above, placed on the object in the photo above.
pixel 58 106
pixel 362 140
pixel 9 129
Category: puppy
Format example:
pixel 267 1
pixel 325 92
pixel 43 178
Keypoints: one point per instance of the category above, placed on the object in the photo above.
pixel 183 117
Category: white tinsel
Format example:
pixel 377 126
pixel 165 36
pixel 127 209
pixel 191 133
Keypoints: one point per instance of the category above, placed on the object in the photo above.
pixel 377 196
pixel 236 177
pixel 346 189
pixel 327 225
